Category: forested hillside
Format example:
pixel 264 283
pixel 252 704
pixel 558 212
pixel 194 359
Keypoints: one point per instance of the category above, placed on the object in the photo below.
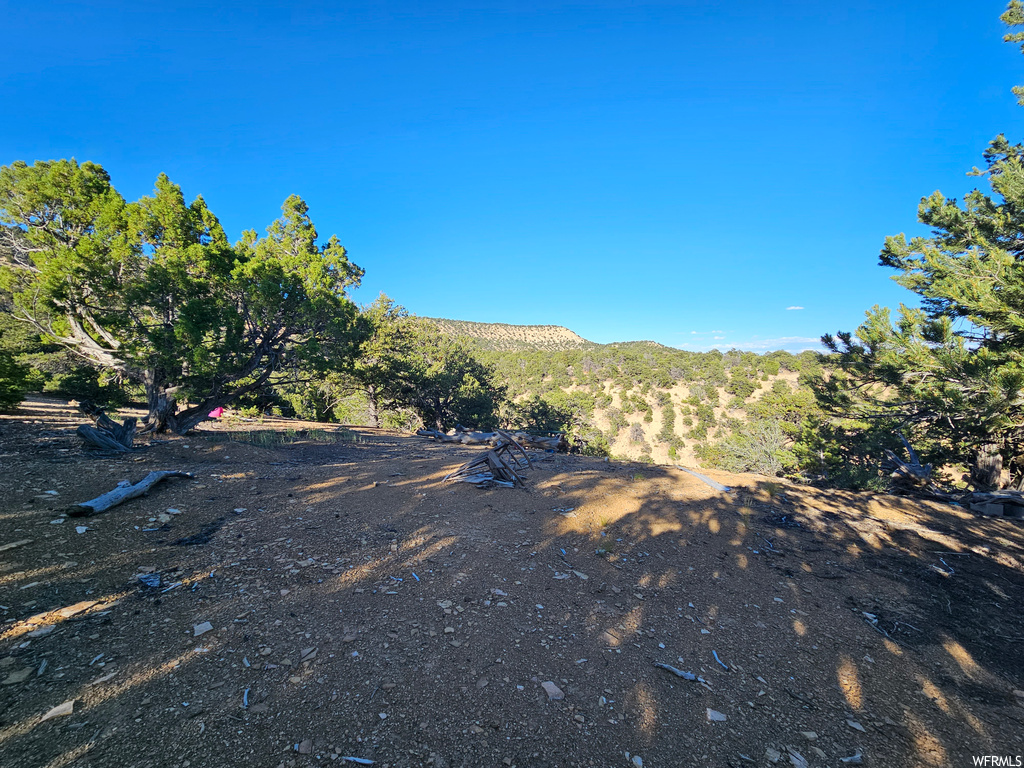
pixel 648 402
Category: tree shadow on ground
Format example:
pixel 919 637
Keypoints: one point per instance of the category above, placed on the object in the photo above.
pixel 360 604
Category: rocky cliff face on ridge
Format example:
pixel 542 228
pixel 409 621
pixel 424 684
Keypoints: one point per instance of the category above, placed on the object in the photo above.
pixel 501 336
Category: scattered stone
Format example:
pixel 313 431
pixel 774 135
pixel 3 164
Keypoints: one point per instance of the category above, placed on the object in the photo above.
pixel 305 747
pixel 855 759
pixel 772 755
pixel 637 761
pixel 18 676
pixel 553 691
pixel 482 682
pixel 202 629
pixel 60 710
pixel 72 610
pixel 796 759
pixel 42 631
pixel 714 716
pixel 856 726
pixel 819 752
pixel 809 735
pixel 308 654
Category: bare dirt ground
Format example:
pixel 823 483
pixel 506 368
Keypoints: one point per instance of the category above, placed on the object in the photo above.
pixel 359 607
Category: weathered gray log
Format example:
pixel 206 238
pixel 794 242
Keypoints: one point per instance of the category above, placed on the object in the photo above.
pixel 998 504
pixel 493 438
pixel 123 493
pixel 94 439
pixel 497 466
pixel 907 473
pixel 107 435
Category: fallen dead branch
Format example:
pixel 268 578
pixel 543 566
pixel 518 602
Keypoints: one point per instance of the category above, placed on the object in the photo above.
pixel 916 478
pixel 998 504
pixel 500 466
pixel 124 492
pixel 107 435
pixel 466 437
pixel 910 474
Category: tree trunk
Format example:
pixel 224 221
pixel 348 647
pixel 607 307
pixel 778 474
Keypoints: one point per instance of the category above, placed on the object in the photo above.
pixel 161 403
pixel 373 405
pixel 988 467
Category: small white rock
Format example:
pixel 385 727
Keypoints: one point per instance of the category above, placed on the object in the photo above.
pixel 553 691
pixel 59 711
pixel 202 629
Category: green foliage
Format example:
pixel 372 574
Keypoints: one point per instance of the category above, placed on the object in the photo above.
pixel 951 373
pixel 153 292
pixel 741 384
pixel 407 363
pixel 616 421
pixel 757 446
pixel 1013 17
pixel 13 381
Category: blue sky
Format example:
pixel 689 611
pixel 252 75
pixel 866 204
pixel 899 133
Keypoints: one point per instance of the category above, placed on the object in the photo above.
pixel 696 173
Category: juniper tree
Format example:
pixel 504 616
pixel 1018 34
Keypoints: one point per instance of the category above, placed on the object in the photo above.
pixel 952 370
pixel 153 291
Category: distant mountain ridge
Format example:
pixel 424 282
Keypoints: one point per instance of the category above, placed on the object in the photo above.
pixel 502 336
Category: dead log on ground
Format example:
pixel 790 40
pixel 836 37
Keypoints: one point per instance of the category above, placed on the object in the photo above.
pixel 556 443
pixel 107 435
pixel 123 493
pixel 998 504
pixel 500 466
pixel 908 474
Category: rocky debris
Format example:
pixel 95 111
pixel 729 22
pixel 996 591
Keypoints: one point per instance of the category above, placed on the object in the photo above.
pixel 202 629
pixel 714 716
pixel 17 676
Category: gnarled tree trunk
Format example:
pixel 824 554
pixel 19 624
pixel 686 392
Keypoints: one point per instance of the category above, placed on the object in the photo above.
pixel 987 469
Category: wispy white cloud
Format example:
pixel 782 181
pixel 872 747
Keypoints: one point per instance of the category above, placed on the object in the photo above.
pixel 790 309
